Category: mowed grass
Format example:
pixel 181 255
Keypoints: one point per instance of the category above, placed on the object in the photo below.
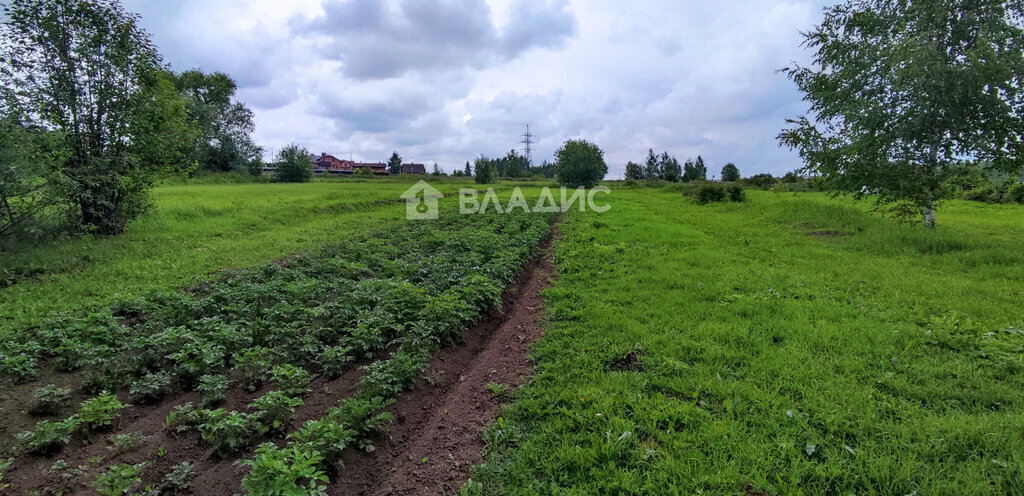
pixel 192 231
pixel 793 344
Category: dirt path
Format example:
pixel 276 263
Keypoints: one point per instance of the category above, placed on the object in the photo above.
pixel 435 438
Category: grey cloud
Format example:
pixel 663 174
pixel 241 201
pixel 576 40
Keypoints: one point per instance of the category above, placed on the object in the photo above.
pixel 377 40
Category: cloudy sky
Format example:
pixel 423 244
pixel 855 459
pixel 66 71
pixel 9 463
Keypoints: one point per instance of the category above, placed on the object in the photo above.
pixel 446 80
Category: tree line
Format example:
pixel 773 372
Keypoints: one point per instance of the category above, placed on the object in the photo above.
pixel 91 117
pixel 665 167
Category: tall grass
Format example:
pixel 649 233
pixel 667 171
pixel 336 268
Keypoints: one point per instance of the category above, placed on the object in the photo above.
pixel 793 344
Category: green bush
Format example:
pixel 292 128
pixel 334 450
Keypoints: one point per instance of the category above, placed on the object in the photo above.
pixel 119 479
pixel 292 380
pixel 274 410
pixel 151 387
pixel 48 437
pixel 228 432
pixel 710 192
pixel 212 389
pixel 100 411
pixel 294 165
pixel 290 471
pixel 335 359
pixel 580 164
pixel 1015 193
pixel 48 400
pixel 736 193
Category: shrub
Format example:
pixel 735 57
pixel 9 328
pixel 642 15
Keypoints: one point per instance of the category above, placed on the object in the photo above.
pixel 48 437
pixel 364 416
pixel 212 389
pixel 579 163
pixel 327 436
pixel 177 479
pixel 122 443
pixel 710 192
pixel 227 432
pixel 761 181
pixel 21 366
pixel 483 171
pixel 335 359
pixel 274 409
pixel 294 165
pixel 151 387
pixel 119 479
pixel 1015 193
pixel 48 400
pixel 285 472
pixel 291 380
pixel 185 417
pixel 736 193
pixel 100 411
pixel 253 364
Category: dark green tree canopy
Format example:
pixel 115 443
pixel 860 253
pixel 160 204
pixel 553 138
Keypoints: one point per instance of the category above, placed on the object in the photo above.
pixel 670 168
pixel 483 170
pixel 900 92
pixel 730 173
pixel 652 167
pixel 695 171
pixel 87 70
pixel 634 171
pixel 294 164
pixel 395 163
pixel 225 143
pixel 580 163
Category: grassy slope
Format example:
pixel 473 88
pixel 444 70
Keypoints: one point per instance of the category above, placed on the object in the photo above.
pixel 195 229
pixel 882 362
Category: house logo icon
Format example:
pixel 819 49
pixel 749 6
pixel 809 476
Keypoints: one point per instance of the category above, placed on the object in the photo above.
pixel 421 201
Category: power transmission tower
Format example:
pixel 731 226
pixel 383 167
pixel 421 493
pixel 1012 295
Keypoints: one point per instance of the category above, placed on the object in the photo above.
pixel 528 145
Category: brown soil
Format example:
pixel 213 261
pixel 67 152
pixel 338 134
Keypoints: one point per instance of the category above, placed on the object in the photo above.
pixel 827 234
pixel 428 449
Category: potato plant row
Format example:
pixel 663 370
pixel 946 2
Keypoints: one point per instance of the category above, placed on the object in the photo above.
pixel 409 289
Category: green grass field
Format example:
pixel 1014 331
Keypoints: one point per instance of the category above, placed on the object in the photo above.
pixel 793 344
pixel 194 229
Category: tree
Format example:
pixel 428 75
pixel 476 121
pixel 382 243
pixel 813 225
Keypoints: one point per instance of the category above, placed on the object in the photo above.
pixel 29 191
pixel 294 164
pixel 652 169
pixel 634 171
pixel 483 170
pixel 395 163
pixel 226 126
pixel 545 169
pixel 670 168
pixel 88 71
pixel 730 173
pixel 468 171
pixel 437 170
pixel 515 165
pixel 695 171
pixel 580 163
pixel 900 92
